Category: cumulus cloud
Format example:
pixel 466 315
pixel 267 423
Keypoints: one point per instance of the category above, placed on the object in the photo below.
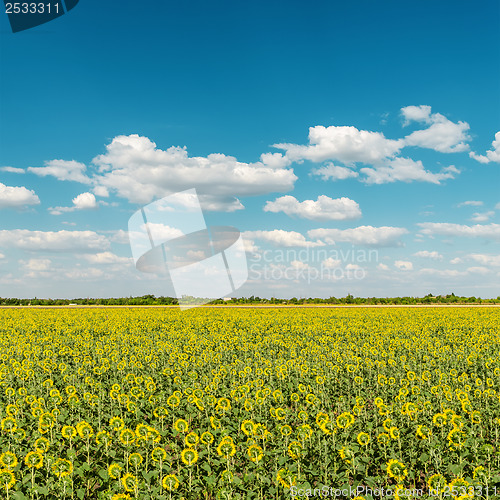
pixel 485 260
pixel 426 254
pixel 279 237
pixel 492 155
pixel 107 258
pixel 13 170
pixel 482 216
pixel 442 135
pixel 334 172
pixel 406 170
pixel 17 197
pixel 456 260
pixel 416 114
pixel 403 265
pixel 470 203
pixel 324 208
pixel 346 144
pixel 136 169
pixel 384 236
pixel 331 263
pixel 63 170
pixel 36 264
pixel 487 231
pixel 84 201
pixel 382 267
pixel 53 241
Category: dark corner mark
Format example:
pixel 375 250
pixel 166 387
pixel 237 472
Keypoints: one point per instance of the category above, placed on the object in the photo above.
pixel 27 14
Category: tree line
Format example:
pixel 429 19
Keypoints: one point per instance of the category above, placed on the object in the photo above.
pixel 151 300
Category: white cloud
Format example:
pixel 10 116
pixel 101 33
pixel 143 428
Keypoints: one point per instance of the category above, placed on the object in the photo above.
pixel 137 170
pixel 482 216
pixel 346 144
pixel 17 197
pixel 417 114
pixel 442 135
pixel 101 191
pixel 491 155
pixel 443 273
pixel 478 270
pixel 84 274
pixel 497 206
pixel 84 201
pixel 470 203
pixel 107 258
pixel 382 267
pixel 426 254
pixel 63 170
pixel 456 260
pixel 334 172
pixel 324 208
pixel 362 235
pixel 54 241
pixel 331 263
pixel 13 170
pixel 486 260
pixel 403 265
pixel 274 160
pixel 36 264
pixel 488 231
pixel 282 238
pixel 406 170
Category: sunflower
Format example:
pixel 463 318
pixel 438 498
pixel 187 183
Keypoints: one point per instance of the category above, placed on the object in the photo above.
pixel 9 424
pixel 42 444
pixel 189 456
pixel 285 430
pixel 255 453
pixel 207 438
pixel 130 483
pixel 248 427
pixel 68 432
pixel 135 459
pixel 344 420
pixel 116 423
pixel 436 482
pixel 158 454
pixel 363 438
pixel 7 479
pixel 170 482
pixel 423 432
pixel 396 470
pixel 439 419
pixel 295 450
pixel 286 478
pixel 8 460
pixel 394 432
pixel 114 471
pixel 479 473
pixel 121 496
pixel 127 437
pixel 62 467
pixel 34 459
pixel 383 438
pixel 346 454
pixel 215 423
pixel 226 448
pixel 455 438
pixel 304 432
pixel 191 439
pixel 461 489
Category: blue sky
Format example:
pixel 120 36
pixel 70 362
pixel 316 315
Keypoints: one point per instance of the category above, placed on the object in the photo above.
pixel 334 127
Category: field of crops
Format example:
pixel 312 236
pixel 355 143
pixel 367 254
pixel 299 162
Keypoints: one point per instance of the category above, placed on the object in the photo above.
pixel 151 403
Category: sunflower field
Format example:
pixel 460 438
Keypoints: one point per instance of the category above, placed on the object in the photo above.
pixel 249 403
